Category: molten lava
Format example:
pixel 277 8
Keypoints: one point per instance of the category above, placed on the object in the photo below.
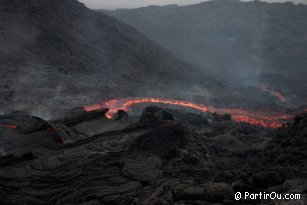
pixel 8 126
pixel 278 95
pixel 264 119
pixel 124 104
pixel 272 120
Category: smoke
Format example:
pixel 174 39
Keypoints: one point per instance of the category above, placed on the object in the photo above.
pixel 88 64
pixel 105 4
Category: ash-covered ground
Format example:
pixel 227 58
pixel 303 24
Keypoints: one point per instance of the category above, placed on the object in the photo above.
pixel 163 156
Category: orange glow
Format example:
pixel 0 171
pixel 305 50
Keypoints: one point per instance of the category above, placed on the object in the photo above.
pixel 109 115
pixel 258 122
pixel 279 96
pixel 264 119
pixel 125 104
pixel 268 120
pixel 264 88
pixel 9 126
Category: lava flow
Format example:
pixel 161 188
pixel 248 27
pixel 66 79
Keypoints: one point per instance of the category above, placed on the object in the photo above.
pixel 278 95
pixel 264 119
pixel 240 115
pixel 8 126
pixel 124 104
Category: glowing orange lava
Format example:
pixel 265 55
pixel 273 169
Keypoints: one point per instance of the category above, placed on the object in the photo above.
pixel 264 88
pixel 278 95
pixel 268 120
pixel 264 119
pixel 258 122
pixel 9 126
pixel 124 104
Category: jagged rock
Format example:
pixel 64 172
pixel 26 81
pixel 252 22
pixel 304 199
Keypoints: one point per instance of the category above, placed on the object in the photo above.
pixel 154 114
pixel 240 186
pixel 217 191
pixel 299 184
pixel 187 156
pixel 121 115
pixel 9 160
pixel 162 141
pixel 63 134
pixel 24 123
pixel 193 202
pixel 160 202
pixel 300 117
pixel 222 117
pixel 82 115
pixel 288 146
pixel 267 179
pixel 303 123
pixel 188 193
pixel 229 202
pixel 143 168
pixel 155 163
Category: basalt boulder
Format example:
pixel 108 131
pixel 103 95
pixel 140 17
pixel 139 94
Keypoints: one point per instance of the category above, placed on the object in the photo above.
pixel 153 114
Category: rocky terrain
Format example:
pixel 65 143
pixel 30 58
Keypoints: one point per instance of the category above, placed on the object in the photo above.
pixel 55 55
pixel 163 156
pixel 248 43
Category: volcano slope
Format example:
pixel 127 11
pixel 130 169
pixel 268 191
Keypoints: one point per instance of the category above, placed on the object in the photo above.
pixel 246 42
pixel 59 54
pixel 161 157
pixel 56 54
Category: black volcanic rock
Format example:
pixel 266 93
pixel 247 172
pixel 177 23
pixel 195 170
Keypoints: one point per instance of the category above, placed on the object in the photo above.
pixel 121 115
pixel 289 144
pixel 162 141
pixel 267 179
pixel 154 114
pixel 77 118
pixel 153 163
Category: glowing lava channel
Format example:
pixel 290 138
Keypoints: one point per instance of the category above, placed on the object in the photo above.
pixel 125 104
pixel 8 126
pixel 264 119
pixel 278 95
pixel 239 115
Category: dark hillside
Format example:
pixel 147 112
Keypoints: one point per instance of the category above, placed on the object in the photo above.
pixel 61 53
pixel 249 43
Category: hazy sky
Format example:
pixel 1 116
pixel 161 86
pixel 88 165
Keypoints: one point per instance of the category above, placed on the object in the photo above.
pixel 113 4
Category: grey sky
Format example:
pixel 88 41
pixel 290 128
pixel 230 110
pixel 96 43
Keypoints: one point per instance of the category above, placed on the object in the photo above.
pixel 113 4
